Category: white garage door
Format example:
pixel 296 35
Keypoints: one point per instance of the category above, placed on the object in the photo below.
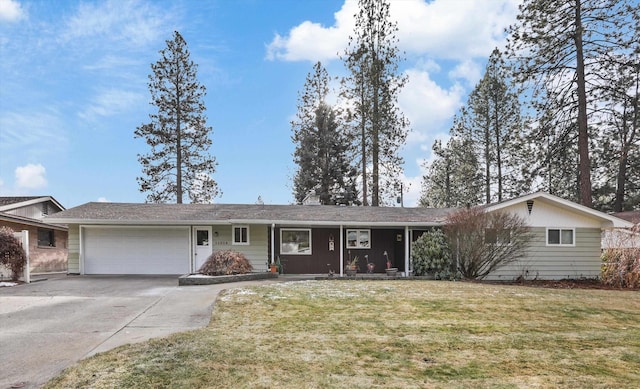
pixel 136 250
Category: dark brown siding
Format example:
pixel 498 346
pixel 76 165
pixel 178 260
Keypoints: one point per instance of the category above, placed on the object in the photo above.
pixel 322 260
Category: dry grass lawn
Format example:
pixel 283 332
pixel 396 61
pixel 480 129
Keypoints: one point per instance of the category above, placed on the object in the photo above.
pixel 391 334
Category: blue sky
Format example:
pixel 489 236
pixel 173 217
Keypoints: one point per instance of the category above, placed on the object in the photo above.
pixel 73 85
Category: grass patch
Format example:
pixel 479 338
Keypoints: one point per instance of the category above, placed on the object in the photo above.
pixel 409 334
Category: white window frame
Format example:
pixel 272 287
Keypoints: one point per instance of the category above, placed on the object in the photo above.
pixel 308 230
pixel 359 244
pixel 233 235
pixel 560 229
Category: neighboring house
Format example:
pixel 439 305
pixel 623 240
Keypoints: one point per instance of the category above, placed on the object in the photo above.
pixel 47 241
pixel 627 238
pixel 112 238
pixel 630 216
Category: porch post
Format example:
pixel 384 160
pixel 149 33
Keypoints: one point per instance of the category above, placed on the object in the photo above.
pixel 341 251
pixel 407 246
pixel 273 244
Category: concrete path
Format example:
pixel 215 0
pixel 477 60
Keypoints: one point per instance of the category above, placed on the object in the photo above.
pixel 47 326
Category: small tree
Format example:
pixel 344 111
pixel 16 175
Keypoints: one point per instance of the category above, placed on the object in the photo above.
pixel 12 254
pixel 431 255
pixel 484 242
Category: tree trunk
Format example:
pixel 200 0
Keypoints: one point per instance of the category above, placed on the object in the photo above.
pixel 496 124
pixel 487 161
pixel 375 134
pixel 178 146
pixel 584 166
pixel 363 148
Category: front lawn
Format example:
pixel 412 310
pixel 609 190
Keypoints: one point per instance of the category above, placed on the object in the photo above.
pixel 403 334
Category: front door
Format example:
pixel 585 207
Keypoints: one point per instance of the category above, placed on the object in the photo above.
pixel 203 245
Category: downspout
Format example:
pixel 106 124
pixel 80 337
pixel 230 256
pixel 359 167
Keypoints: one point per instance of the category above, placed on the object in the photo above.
pixel 273 243
pixel 406 251
pixel 341 251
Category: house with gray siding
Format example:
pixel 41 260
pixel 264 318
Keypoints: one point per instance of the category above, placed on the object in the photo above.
pixel 125 238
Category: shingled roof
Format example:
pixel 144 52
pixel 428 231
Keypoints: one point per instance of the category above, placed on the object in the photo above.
pixel 7 200
pixel 185 214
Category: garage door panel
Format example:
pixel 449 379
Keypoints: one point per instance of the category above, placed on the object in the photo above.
pixel 136 250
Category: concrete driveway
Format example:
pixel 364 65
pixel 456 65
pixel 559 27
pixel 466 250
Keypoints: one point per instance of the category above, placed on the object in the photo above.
pixel 48 325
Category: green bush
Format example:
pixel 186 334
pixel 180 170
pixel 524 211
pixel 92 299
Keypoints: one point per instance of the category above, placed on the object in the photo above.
pixel 226 262
pixel 12 254
pixel 431 255
pixel 621 267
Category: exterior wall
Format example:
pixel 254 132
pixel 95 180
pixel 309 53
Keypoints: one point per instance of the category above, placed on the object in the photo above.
pixel 43 259
pixel 35 211
pixel 256 251
pixel 322 259
pixel 73 255
pixel 557 262
pixel 545 214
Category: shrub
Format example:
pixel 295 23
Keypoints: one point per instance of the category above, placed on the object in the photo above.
pixel 484 242
pixel 12 254
pixel 431 255
pixel 621 267
pixel 226 262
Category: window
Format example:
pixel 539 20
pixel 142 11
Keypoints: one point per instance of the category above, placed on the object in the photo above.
pixel 46 238
pixel 240 235
pixel 560 237
pixel 495 236
pixel 295 241
pixel 358 239
pixel 202 237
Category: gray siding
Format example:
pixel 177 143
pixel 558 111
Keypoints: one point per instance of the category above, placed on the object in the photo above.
pixel 557 262
pixel 73 253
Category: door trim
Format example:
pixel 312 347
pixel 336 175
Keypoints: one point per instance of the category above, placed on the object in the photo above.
pixel 194 245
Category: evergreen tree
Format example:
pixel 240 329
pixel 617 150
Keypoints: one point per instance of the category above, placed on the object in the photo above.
pixel 555 45
pixel 453 178
pixel 617 165
pixel 372 89
pixel 177 134
pixel 492 121
pixel 322 146
pixel 553 160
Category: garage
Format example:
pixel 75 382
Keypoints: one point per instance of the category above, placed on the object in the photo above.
pixel 139 250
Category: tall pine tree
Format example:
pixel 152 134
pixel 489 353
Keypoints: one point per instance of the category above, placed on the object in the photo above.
pixel 555 45
pixel 492 122
pixel 372 90
pixel 322 146
pixel 179 138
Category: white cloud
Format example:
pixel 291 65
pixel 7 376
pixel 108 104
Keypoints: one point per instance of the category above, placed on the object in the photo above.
pixel 11 11
pixel 103 200
pixel 314 42
pixel 441 28
pixel 111 102
pixel 427 105
pixel 131 23
pixel 468 70
pixel 31 176
pixel 411 189
pixel 33 133
pixel 453 29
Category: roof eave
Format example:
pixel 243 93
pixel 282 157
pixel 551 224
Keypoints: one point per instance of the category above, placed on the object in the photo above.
pixel 108 222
